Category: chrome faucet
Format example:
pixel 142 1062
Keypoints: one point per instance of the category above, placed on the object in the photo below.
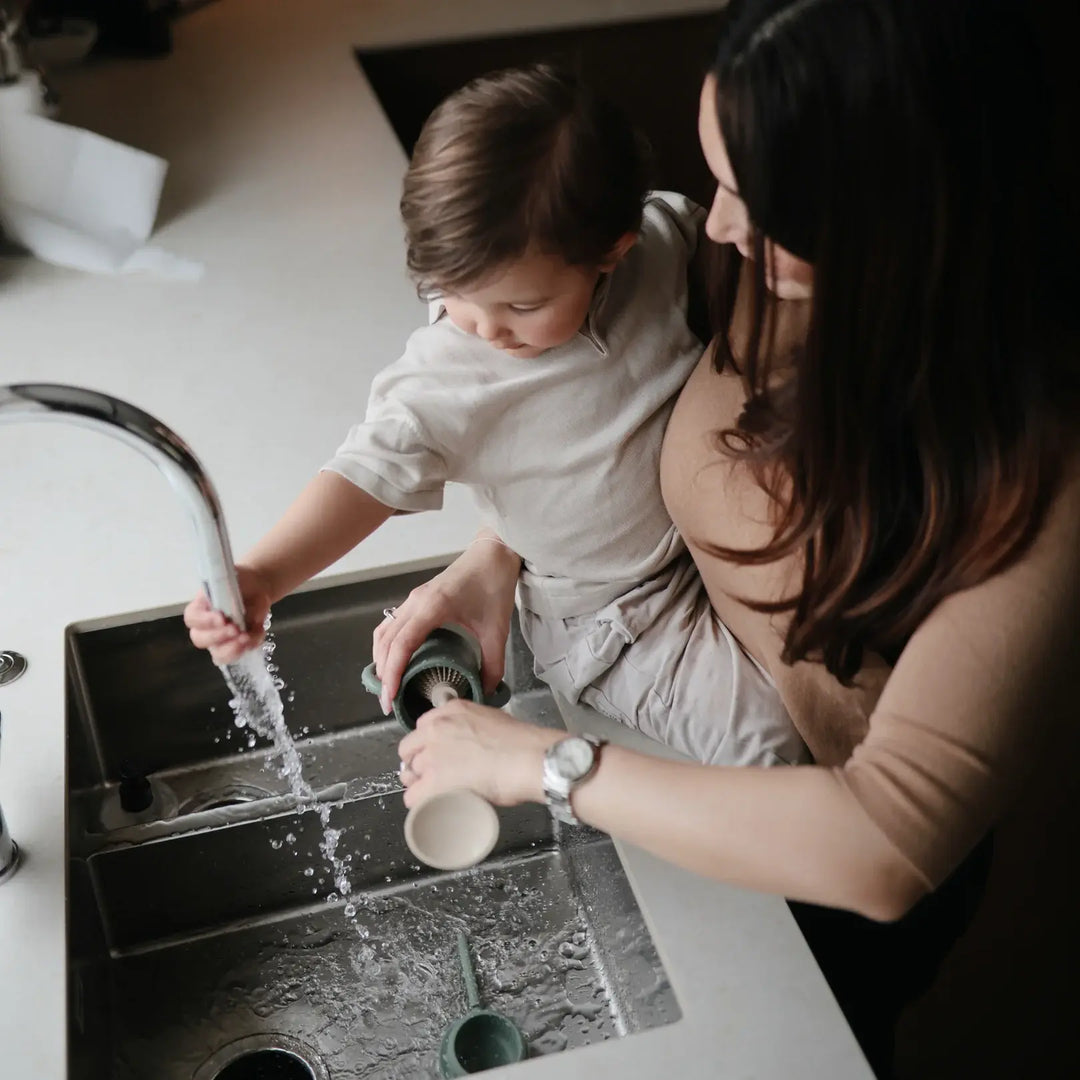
pixel 142 432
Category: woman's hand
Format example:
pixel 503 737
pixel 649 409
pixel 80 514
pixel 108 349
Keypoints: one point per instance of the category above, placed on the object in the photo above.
pixel 475 591
pixel 463 744
pixel 210 629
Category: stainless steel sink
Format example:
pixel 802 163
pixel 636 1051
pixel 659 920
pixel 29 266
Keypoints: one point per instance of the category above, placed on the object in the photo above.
pixel 210 944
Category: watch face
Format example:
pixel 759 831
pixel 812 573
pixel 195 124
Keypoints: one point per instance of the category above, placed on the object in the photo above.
pixel 573 757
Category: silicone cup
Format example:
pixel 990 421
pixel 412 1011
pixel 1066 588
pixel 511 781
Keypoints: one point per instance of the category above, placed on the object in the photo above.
pixel 452 830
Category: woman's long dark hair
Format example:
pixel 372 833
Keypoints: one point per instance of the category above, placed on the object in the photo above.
pixel 900 146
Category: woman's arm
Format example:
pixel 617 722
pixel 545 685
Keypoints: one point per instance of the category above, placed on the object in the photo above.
pixel 973 701
pixel 797 832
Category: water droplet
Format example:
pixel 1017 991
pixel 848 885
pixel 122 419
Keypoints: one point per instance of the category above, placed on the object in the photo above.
pixel 309 871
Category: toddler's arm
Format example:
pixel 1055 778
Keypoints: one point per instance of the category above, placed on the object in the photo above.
pixel 328 519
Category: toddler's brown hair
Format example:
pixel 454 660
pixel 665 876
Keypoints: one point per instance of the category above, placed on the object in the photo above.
pixel 527 160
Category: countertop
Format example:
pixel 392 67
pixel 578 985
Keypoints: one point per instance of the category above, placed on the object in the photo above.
pixel 284 181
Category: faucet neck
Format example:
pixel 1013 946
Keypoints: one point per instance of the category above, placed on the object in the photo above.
pixel 150 437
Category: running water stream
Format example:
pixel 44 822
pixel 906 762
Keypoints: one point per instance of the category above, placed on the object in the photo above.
pixel 257 706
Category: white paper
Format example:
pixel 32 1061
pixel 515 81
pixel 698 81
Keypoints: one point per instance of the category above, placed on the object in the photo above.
pixel 79 200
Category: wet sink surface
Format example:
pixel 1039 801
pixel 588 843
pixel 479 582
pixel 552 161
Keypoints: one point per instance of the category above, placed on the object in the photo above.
pixel 370 997
pixel 199 943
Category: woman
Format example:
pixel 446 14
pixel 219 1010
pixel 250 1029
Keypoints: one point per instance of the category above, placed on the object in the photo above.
pixel 875 470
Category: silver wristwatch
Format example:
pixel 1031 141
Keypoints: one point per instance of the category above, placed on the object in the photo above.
pixel 567 764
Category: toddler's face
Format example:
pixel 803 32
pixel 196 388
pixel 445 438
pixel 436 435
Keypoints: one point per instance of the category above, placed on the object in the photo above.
pixel 526 307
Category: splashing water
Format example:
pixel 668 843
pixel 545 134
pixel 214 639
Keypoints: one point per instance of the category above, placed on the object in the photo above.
pixel 257 707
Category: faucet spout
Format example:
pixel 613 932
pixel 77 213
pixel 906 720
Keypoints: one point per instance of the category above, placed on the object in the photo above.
pixel 173 457
pixel 151 438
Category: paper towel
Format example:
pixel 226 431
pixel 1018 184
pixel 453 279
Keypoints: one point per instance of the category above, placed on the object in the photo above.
pixel 77 199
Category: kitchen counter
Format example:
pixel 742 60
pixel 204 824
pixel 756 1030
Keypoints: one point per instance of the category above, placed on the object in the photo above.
pixel 284 181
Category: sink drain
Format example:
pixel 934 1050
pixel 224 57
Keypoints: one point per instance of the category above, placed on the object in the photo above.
pixel 263 1057
pixel 266 1065
pixel 229 795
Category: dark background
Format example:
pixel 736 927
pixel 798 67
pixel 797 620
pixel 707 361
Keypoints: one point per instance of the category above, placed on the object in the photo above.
pixel 653 69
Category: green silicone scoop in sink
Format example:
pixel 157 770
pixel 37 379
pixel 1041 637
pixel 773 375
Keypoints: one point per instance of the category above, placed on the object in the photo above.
pixel 481 1039
pixel 446 666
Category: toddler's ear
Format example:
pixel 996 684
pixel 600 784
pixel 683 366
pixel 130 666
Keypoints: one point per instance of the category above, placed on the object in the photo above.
pixel 622 246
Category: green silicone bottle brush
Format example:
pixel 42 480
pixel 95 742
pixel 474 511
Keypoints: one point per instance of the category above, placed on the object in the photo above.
pixel 446 666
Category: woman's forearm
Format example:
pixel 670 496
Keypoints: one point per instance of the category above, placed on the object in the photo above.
pixel 796 832
pixel 327 520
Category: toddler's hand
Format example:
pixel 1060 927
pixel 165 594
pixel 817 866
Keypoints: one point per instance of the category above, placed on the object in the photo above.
pixel 210 629
pixel 475 591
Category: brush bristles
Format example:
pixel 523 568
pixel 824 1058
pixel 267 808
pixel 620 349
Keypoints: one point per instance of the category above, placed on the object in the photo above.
pixel 442 684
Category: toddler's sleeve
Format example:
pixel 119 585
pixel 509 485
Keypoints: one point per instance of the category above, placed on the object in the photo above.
pixel 680 215
pixel 395 455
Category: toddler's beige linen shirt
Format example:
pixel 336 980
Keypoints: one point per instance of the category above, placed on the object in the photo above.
pixel 562 452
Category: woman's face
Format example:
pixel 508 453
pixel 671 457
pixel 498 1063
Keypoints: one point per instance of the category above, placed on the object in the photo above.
pixel 789 277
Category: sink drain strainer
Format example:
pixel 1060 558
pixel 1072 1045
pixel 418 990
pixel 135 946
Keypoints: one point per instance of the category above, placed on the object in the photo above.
pixel 263 1057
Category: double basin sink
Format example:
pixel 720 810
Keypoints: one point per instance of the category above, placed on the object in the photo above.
pixel 210 939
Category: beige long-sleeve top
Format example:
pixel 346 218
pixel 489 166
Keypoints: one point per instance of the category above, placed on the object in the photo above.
pixel 933 751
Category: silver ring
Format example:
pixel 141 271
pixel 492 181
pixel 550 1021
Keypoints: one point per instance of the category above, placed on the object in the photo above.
pixel 389 612
pixel 404 767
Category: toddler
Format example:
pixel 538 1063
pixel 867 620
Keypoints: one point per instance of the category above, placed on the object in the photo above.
pixel 557 343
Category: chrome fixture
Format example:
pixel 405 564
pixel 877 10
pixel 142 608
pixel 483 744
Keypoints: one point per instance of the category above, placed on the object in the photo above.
pixel 151 438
